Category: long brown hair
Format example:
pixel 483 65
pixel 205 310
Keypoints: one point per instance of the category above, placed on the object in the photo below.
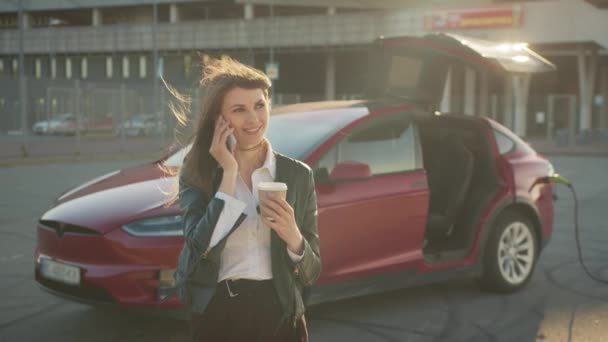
pixel 219 76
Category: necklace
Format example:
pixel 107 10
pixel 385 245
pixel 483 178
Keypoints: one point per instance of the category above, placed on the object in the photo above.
pixel 255 147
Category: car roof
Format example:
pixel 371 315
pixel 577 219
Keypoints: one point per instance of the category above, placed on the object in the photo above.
pixel 317 106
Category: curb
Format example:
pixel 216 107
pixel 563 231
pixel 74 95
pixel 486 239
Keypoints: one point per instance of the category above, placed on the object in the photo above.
pixel 8 162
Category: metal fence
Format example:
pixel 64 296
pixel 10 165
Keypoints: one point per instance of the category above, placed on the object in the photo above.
pixel 88 118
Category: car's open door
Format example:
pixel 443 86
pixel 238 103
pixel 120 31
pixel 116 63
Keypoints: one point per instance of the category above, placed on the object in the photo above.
pixel 415 68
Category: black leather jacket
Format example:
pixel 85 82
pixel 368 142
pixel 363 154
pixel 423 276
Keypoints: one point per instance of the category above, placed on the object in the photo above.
pixel 196 276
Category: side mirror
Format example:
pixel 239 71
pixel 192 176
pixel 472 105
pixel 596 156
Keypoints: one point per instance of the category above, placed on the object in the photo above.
pixel 350 170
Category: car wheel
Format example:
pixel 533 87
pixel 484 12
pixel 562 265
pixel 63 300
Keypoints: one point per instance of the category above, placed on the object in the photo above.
pixel 511 254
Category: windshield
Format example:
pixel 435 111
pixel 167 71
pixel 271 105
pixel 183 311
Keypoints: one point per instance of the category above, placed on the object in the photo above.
pixel 296 135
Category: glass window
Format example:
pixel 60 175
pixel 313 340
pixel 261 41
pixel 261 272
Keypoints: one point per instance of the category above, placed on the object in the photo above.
pixel 15 66
pixel 505 145
pixel 295 135
pixel 1 67
pixel 387 145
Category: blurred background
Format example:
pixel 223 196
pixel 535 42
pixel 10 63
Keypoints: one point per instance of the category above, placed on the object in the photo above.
pixel 83 76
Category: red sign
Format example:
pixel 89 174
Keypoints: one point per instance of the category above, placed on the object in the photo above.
pixel 474 18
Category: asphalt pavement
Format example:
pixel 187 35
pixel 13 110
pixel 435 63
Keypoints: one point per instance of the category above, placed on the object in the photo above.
pixel 559 304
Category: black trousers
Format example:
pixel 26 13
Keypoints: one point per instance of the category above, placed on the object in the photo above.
pixel 244 310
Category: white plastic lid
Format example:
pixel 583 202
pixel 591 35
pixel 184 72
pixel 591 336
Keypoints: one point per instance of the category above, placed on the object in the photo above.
pixel 272 186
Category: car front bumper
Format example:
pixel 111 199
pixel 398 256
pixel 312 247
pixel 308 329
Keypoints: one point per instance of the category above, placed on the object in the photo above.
pixel 115 268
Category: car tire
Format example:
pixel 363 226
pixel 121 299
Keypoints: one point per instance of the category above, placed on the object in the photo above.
pixel 511 254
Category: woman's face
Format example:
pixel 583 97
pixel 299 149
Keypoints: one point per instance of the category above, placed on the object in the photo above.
pixel 247 112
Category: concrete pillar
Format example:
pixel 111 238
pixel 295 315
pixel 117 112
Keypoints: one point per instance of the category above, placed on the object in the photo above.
pixel 521 87
pixel 603 124
pixel 173 13
pixel 550 118
pixel 469 91
pixel 249 11
pixel 494 106
pixel 331 10
pixel 507 118
pixel 96 17
pixel 483 94
pixel 586 81
pixel 26 20
pixel 330 76
pixel 446 98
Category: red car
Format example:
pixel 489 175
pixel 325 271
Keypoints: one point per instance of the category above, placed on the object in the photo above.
pixel 406 196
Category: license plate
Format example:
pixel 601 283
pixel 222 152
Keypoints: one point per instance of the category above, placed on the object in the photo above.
pixel 60 272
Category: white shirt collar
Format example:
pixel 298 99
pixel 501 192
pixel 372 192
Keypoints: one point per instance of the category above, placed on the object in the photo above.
pixel 270 163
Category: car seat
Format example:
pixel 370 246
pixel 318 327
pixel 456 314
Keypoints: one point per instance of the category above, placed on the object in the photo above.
pixel 450 177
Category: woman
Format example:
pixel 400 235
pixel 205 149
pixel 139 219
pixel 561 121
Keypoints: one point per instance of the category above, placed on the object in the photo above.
pixel 242 273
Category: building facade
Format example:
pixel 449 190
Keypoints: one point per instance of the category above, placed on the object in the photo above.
pixel 99 50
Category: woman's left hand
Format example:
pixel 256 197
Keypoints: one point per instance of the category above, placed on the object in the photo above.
pixel 279 216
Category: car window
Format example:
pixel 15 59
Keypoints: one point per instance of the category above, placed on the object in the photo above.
pixel 387 145
pixel 504 143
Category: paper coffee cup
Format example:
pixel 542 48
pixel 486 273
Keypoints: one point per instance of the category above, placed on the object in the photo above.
pixel 267 190
pixel 272 189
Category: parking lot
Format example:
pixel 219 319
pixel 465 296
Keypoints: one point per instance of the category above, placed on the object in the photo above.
pixel 52 146
pixel 560 304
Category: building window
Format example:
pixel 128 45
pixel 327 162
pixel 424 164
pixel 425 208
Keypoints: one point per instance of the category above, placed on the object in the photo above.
pixel 68 68
pixel 109 68
pixel 142 66
pixel 53 68
pixel 37 68
pixel 125 67
pixel 84 71
pixel 187 65
pixel 15 66
pixel 1 67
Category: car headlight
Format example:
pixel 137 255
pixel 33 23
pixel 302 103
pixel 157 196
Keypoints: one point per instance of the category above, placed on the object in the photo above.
pixel 158 226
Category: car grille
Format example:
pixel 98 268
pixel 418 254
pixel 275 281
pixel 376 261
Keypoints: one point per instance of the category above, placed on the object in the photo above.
pixel 86 293
pixel 61 228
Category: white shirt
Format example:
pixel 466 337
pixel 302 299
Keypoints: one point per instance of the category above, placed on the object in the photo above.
pixel 246 254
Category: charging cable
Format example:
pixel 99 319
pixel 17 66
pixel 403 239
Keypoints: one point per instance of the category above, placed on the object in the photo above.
pixel 558 179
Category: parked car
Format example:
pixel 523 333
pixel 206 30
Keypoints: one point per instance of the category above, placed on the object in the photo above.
pixel 406 196
pixel 142 125
pixel 59 124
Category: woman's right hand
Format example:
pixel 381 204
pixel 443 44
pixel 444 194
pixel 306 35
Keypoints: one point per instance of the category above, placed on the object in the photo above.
pixel 218 148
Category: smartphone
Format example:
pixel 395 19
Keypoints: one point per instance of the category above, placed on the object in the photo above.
pixel 231 143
